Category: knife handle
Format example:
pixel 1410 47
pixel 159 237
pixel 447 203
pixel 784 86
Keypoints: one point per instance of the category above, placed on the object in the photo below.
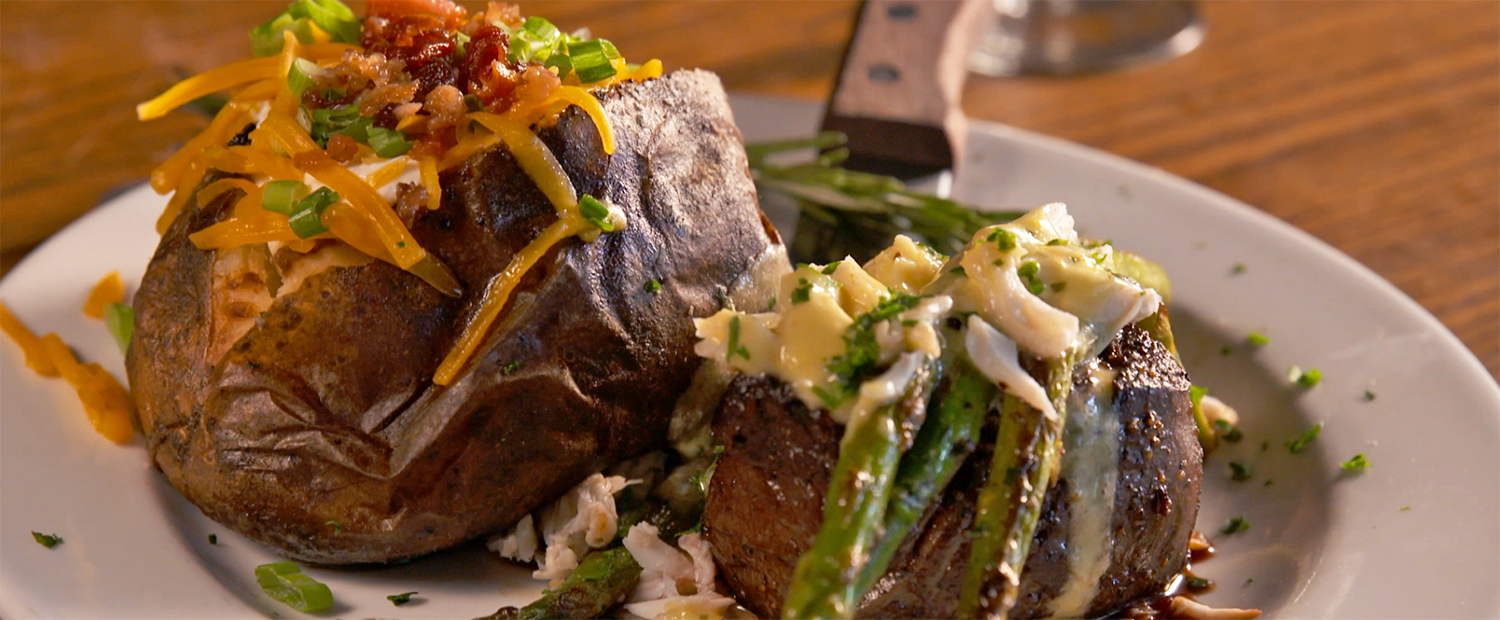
pixel 898 91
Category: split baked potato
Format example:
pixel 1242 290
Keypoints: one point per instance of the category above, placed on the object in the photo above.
pixel 290 396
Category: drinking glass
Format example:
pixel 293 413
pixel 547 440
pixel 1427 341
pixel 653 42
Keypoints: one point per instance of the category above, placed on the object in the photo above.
pixel 1066 37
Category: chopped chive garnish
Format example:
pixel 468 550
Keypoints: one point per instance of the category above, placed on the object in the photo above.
pixel 1057 287
pixel 337 527
pixel 119 319
pixel 1257 338
pixel 828 269
pixel 1240 472
pixel 47 540
pixel 473 102
pixel 285 582
pixel 958 271
pixel 1004 239
pixel 596 212
pixel 510 367
pixel 1299 443
pixel 802 293
pixel 1309 378
pixel 1405 508
pixel 1369 396
pixel 400 599
pixel 1198 583
pixel 1235 526
pixel 830 399
pixel 653 286
pixel 1239 268
pixel 734 340
pixel 1058 242
pixel 1028 271
pixel 1357 462
pixel 1228 432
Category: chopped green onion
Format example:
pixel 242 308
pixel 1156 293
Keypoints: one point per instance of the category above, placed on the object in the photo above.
pixel 654 286
pixel 1299 443
pixel 1198 584
pixel 307 217
pixel 510 367
pixel 1235 526
pixel 388 143
pixel 1405 508
pixel 595 212
pixel 1356 463
pixel 400 599
pixel 1309 378
pixel 285 582
pixel 473 102
pixel 337 527
pixel 1257 338
pixel 958 271
pixel 1240 472
pixel 562 62
pixel 1004 239
pixel 265 39
pixel 591 60
pixel 47 540
pixel 301 76
pixel 332 16
pixel 282 196
pixel 1369 396
pixel 119 319
pixel 1239 268
pixel 828 269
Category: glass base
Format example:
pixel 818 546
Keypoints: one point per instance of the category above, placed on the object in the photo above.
pixel 1068 37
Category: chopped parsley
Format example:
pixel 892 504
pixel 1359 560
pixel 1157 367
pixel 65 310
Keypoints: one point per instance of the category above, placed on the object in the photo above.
pixel 1369 396
pixel 1258 339
pixel 828 269
pixel 47 540
pixel 1228 432
pixel 1057 287
pixel 802 293
pixel 1356 463
pixel 653 286
pixel 1240 472
pixel 1299 443
pixel 1028 271
pixel 510 367
pixel 400 599
pixel 735 348
pixel 1309 378
pixel 1235 526
pixel 958 270
pixel 1058 242
pixel 1198 584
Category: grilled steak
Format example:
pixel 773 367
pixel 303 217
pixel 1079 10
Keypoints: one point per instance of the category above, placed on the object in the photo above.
pixel 766 498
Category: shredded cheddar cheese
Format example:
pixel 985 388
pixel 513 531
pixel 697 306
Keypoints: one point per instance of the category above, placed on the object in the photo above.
pixel 106 402
pixel 36 357
pixel 109 290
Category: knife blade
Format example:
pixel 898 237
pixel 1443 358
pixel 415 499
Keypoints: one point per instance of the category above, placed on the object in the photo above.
pixel 898 92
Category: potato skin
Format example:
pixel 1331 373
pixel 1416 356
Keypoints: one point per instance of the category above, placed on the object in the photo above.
pixel 320 433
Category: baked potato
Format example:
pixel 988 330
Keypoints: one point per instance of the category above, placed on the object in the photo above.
pixel 766 497
pixel 290 395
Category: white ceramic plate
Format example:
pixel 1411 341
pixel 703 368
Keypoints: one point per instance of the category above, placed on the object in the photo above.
pixel 1415 535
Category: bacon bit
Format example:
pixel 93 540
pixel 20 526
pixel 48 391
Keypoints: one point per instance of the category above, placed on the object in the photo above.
pixel 446 106
pixel 361 70
pixel 452 15
pixel 406 110
pixel 485 71
pixel 434 143
pixel 381 96
pixel 411 199
pixel 1184 607
pixel 537 83
pixel 342 148
pixel 502 13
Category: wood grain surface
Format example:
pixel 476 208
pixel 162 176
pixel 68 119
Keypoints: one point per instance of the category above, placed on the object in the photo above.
pixel 1373 125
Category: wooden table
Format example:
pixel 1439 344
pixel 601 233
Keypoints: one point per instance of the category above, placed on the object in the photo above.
pixel 1373 125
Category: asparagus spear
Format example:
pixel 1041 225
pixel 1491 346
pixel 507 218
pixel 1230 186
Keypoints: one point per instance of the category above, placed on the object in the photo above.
pixel 603 579
pixel 823 585
pixel 946 438
pixel 848 213
pixel 1027 452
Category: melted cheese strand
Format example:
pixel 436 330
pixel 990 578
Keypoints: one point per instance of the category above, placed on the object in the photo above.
pixel 498 292
pixel 209 82
pixel 392 170
pixel 168 176
pixel 428 171
pixel 585 100
pixel 1091 443
pixel 534 158
pixel 109 290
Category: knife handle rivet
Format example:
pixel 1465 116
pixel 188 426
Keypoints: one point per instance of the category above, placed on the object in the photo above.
pixel 884 73
pixel 901 11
